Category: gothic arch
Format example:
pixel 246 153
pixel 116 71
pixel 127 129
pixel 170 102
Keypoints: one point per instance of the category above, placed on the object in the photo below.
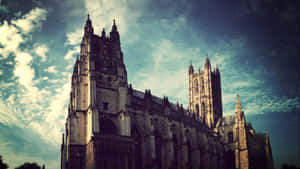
pixel 203 109
pixel 189 148
pixel 202 84
pixel 175 145
pixel 107 126
pixel 137 136
pixel 230 137
pixel 196 84
pixel 197 110
pixel 158 145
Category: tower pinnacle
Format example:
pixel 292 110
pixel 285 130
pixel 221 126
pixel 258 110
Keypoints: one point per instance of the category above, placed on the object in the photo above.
pixel 103 33
pixel 207 62
pixel 88 28
pixel 238 106
pixel 191 69
pixel 114 34
pixel 114 27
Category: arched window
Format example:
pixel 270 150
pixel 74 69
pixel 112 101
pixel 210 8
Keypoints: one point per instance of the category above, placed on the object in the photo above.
pixel 107 126
pixel 175 148
pixel 197 111
pixel 202 83
pixel 230 137
pixel 138 147
pixel 189 150
pixel 189 155
pixel 203 109
pixel 158 144
pixel 196 85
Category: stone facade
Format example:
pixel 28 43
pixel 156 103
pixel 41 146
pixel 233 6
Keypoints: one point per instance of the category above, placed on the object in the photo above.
pixel 110 125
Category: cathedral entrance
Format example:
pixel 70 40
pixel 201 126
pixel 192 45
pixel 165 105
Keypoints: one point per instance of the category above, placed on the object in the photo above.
pixel 114 152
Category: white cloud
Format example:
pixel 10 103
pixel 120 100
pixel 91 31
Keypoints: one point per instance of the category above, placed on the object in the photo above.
pixel 74 38
pixel 104 11
pixel 264 102
pixel 4 85
pixel 31 21
pixel 23 70
pixel 169 74
pixel 33 102
pixel 51 69
pixel 41 51
pixel 72 52
pixel 12 35
pixel 10 39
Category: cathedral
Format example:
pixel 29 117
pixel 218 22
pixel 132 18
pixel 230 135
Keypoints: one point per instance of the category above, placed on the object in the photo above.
pixel 111 125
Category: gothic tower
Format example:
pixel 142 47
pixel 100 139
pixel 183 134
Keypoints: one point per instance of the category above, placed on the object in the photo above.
pixel 205 94
pixel 240 138
pixel 97 106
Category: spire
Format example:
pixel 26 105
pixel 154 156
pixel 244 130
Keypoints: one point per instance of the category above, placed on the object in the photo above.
pixel 114 34
pixel 88 28
pixel 114 27
pixel 88 21
pixel 207 62
pixel 217 68
pixel 103 33
pixel 191 69
pixel 238 106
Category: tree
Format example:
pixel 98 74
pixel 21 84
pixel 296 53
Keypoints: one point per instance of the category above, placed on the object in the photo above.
pixel 29 166
pixel 2 164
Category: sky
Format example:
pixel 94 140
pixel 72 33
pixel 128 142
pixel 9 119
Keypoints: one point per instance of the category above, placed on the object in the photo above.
pixel 255 43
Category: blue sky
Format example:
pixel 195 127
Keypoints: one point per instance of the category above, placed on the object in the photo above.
pixel 255 44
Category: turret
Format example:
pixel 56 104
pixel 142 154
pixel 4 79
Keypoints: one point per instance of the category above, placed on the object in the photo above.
pixel 191 69
pixel 207 63
pixel 114 34
pixel 88 28
pixel 103 33
pixel 238 106
pixel 241 148
pixel 217 69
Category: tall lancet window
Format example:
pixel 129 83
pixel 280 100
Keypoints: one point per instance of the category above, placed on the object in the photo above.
pixel 189 154
pixel 175 149
pixel 230 137
pixel 158 144
pixel 188 149
pixel 203 109
pixel 196 86
pixel 197 111
pixel 202 84
pixel 138 147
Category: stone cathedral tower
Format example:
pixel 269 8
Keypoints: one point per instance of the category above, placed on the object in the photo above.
pixel 111 125
pixel 240 137
pixel 97 105
pixel 205 94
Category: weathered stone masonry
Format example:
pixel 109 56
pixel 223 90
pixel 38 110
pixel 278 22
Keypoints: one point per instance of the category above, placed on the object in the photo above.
pixel 110 125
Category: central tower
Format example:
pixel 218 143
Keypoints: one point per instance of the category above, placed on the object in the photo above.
pixel 205 94
pixel 98 125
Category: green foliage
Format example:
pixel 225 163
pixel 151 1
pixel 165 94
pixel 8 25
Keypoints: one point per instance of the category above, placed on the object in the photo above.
pixel 29 166
pixel 2 164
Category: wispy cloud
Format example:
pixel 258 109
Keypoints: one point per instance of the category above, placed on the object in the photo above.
pixel 74 38
pixel 31 21
pixel 72 52
pixel 28 106
pixel 104 11
pixel 51 69
pixel 41 51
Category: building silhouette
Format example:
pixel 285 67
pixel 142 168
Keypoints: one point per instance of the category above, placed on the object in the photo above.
pixel 110 125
